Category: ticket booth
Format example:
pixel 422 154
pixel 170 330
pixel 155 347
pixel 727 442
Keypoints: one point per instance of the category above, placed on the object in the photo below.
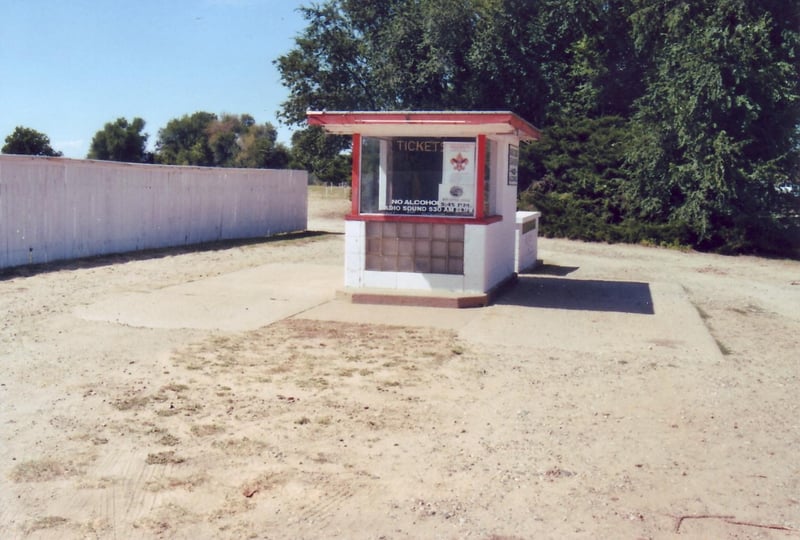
pixel 434 198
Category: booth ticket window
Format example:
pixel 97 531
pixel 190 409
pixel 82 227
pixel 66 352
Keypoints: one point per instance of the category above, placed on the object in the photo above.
pixel 418 176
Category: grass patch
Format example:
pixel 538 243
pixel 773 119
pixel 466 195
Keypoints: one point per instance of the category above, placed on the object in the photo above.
pixel 703 313
pixel 131 403
pixel 189 483
pixel 724 349
pixel 169 440
pixel 41 470
pixel 204 430
pixel 174 387
pixel 240 447
pixel 749 309
pixel 329 192
pixel 314 382
pixel 164 458
pixel 49 522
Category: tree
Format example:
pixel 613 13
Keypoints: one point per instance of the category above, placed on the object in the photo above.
pixel 329 65
pixel 225 141
pixel 545 60
pixel 321 155
pixel 580 184
pixel 359 54
pixel 27 141
pixel 223 135
pixel 715 132
pixel 598 73
pixel 185 141
pixel 535 58
pixel 259 149
pixel 120 141
pixel 701 99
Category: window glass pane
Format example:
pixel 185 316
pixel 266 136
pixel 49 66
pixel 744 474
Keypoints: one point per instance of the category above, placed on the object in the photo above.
pixel 418 176
pixel 488 194
pixel 370 175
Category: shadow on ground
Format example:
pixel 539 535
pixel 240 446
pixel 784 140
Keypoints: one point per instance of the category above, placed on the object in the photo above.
pixel 578 294
pixel 551 270
pixel 159 253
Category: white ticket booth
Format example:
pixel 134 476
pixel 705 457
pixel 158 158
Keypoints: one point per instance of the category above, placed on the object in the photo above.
pixel 434 197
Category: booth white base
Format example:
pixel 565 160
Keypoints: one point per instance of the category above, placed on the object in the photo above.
pixel 487 262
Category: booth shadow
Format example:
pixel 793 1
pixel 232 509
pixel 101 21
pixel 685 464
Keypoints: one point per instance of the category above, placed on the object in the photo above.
pixel 96 261
pixel 537 291
pixel 543 269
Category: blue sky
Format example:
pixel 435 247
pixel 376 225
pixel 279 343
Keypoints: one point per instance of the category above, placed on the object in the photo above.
pixel 67 67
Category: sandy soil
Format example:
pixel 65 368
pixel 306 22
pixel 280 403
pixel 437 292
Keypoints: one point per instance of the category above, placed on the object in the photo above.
pixel 617 392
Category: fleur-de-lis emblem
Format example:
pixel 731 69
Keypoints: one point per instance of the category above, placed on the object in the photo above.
pixel 459 162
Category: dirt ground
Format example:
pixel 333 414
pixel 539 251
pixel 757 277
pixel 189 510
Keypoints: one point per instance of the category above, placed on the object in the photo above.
pixel 616 392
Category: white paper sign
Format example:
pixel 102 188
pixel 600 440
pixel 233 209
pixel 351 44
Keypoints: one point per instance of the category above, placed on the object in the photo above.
pixel 457 191
pixel 459 163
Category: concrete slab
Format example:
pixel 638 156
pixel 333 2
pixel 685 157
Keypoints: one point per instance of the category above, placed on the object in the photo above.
pixel 238 301
pixel 596 321
pixel 568 313
pixel 564 313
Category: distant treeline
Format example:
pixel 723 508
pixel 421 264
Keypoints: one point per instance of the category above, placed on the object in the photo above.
pixel 202 139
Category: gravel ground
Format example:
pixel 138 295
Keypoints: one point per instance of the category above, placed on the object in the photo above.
pixel 617 392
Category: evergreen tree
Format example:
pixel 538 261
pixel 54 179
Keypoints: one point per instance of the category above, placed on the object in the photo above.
pixel 715 131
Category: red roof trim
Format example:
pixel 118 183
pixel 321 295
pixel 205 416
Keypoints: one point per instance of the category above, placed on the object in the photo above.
pixel 454 118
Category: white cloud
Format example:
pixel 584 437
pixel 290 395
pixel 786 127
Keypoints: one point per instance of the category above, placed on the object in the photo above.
pixel 75 149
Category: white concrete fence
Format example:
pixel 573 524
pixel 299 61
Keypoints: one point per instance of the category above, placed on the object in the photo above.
pixel 56 209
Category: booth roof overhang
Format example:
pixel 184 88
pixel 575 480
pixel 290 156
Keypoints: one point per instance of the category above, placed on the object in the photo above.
pixel 424 123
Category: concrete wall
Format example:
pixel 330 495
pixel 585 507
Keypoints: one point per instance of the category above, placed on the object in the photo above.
pixel 56 208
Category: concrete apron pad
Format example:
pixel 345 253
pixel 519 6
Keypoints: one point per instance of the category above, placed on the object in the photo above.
pixel 567 314
pixel 238 301
pixel 591 316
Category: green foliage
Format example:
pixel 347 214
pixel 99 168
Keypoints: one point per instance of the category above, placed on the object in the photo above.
pixel 120 141
pixel 28 142
pixel 227 141
pixel 580 185
pixel 185 141
pixel 420 53
pixel 716 128
pixel 666 121
pixel 328 66
pixel 259 149
pixel 461 54
pixel 321 155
